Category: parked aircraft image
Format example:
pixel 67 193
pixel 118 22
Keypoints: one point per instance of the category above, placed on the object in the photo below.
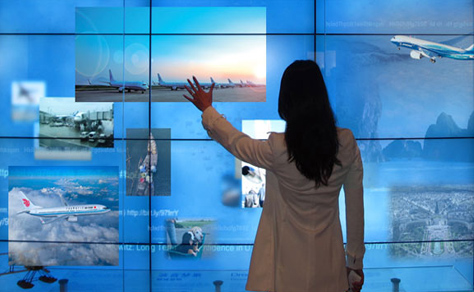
pixel 179 85
pixel 127 85
pixel 223 85
pixel 171 85
pixel 77 118
pixel 231 84
pixel 67 212
pixel 423 48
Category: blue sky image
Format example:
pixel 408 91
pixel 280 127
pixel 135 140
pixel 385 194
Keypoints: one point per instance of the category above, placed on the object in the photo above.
pixel 179 50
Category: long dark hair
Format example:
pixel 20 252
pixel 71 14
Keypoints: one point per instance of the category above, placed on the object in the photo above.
pixel 311 133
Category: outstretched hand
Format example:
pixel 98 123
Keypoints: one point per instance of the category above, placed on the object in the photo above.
pixel 201 99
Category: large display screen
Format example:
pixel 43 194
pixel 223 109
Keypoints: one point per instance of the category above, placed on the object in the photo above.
pixel 111 183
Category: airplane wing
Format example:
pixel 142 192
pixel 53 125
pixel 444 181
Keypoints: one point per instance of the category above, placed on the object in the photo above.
pixel 54 219
pixel 62 200
pixel 455 41
pixel 427 53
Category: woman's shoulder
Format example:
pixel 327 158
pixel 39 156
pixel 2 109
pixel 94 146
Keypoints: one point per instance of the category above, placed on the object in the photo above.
pixel 348 147
pixel 277 142
pixel 345 135
pixel 277 139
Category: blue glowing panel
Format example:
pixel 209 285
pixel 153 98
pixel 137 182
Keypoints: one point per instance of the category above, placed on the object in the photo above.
pixel 32 16
pixel 209 20
pixel 112 20
pixel 282 16
pixel 35 67
pixel 399 17
pixel 388 93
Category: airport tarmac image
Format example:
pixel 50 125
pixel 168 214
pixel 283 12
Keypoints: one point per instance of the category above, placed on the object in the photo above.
pixel 64 136
pixel 162 94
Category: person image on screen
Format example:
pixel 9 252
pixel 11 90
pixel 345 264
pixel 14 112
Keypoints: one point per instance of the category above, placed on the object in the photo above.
pixel 299 243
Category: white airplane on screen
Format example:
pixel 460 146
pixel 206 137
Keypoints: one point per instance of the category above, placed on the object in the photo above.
pixel 229 84
pixel 422 48
pixel 171 85
pixel 179 85
pixel 67 212
pixel 127 85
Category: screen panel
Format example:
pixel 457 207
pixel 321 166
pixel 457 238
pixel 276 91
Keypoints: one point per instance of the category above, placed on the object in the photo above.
pixel 399 17
pixel 412 119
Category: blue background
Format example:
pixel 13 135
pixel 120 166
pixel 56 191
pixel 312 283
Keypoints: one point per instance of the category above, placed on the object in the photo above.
pixel 377 91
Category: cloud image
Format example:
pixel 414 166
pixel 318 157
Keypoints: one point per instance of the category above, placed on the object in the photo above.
pixel 91 240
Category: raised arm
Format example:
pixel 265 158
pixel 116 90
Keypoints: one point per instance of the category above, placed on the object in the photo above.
pixel 243 147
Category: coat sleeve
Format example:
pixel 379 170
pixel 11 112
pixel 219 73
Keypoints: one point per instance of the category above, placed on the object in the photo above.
pixel 255 152
pixel 354 198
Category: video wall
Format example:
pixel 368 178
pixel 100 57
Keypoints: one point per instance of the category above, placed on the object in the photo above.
pixel 110 183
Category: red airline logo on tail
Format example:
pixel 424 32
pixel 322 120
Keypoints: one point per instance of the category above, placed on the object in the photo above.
pixel 26 202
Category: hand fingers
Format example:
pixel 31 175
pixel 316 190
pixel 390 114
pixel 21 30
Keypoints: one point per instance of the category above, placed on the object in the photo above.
pixel 188 98
pixel 192 86
pixel 212 87
pixel 189 90
pixel 197 83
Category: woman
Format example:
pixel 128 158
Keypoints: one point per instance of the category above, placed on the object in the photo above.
pixel 299 244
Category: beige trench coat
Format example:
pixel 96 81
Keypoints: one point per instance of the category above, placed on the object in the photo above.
pixel 299 245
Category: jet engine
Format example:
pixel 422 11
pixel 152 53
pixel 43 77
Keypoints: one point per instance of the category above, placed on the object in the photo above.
pixel 416 55
pixel 72 218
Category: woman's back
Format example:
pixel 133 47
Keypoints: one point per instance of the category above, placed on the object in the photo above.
pixel 299 245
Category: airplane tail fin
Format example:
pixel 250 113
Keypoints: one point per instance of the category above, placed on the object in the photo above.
pixel 27 204
pixel 230 81
pixel 470 49
pixel 160 81
pixel 111 76
pixel 212 80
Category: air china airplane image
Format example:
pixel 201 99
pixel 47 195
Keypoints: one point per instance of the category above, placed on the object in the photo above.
pixel 127 85
pixel 422 48
pixel 67 212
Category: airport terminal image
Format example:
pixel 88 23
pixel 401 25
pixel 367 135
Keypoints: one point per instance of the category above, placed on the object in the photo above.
pixel 237 145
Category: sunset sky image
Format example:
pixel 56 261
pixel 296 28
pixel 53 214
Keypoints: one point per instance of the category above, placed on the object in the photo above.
pixel 185 42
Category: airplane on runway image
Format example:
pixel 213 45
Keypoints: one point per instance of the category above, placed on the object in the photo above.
pixel 179 85
pixel 423 48
pixel 171 85
pixel 230 84
pixel 67 212
pixel 127 85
